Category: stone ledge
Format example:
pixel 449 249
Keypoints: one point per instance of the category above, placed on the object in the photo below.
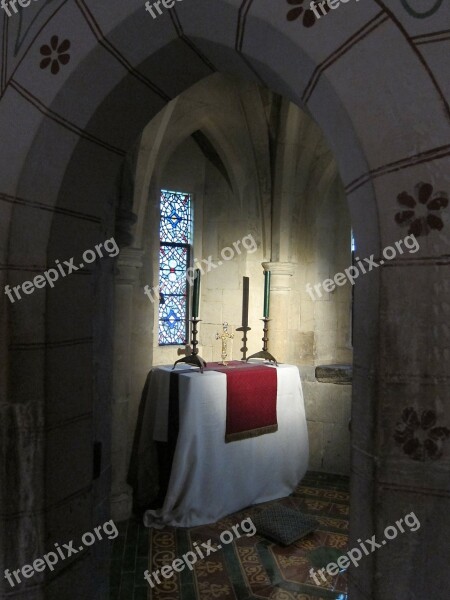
pixel 340 374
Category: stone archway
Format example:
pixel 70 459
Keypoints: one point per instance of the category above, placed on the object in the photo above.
pixel 65 133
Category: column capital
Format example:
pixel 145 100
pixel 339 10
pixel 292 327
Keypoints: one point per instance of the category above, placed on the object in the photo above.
pixel 129 263
pixel 281 274
pixel 131 257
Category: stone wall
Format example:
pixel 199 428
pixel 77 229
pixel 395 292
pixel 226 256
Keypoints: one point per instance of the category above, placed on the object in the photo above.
pixel 328 414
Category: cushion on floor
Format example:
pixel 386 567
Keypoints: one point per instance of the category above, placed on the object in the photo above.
pixel 284 525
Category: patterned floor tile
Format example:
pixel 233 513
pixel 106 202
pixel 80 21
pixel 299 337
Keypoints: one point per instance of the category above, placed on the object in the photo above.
pixel 250 567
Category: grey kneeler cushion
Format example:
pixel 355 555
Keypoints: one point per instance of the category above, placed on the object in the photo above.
pixel 284 525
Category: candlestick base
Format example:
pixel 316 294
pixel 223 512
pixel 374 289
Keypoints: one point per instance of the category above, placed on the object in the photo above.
pixel 265 355
pixel 194 359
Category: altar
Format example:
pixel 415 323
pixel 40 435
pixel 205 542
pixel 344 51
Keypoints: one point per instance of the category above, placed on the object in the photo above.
pixel 210 478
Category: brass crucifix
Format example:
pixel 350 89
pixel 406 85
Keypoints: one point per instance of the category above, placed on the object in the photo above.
pixel 224 336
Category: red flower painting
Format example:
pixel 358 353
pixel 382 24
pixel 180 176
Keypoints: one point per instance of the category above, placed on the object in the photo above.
pixel 309 18
pixel 421 213
pixel 418 435
pixel 55 54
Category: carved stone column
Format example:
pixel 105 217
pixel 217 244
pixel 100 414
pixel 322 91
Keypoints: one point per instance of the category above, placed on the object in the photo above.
pixel 129 264
pixel 280 301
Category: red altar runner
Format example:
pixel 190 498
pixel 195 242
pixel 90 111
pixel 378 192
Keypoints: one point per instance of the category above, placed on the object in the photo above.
pixel 251 399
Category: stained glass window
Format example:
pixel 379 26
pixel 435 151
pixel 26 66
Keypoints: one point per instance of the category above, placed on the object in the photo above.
pixel 175 237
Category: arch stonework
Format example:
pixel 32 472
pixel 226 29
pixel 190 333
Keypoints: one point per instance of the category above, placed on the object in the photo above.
pixel 374 79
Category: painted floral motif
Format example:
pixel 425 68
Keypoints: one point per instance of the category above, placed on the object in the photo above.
pixel 420 439
pixel 309 18
pixel 164 539
pixel 309 491
pixel 205 568
pixel 341 509
pixel 170 587
pixel 208 591
pixel 421 214
pixel 335 540
pixel 306 544
pixel 55 54
pixel 292 561
pixel 247 554
pixel 316 504
pixel 256 574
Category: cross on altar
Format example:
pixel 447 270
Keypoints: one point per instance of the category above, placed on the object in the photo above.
pixel 224 336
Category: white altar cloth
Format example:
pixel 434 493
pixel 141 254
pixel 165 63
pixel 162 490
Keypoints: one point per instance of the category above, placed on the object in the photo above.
pixel 211 479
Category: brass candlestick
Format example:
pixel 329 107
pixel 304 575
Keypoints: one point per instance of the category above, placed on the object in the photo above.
pixel 193 359
pixel 244 341
pixel 264 353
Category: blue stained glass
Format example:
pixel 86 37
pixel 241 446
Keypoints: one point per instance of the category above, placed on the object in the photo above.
pixel 174 258
pixel 172 321
pixel 176 219
pixel 172 271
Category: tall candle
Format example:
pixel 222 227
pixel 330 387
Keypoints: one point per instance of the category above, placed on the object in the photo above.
pixel 266 293
pixel 245 288
pixel 196 294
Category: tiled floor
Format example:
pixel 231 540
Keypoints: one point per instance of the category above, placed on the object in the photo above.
pixel 250 568
pixel 129 561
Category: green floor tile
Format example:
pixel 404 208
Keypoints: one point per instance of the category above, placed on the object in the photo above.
pixel 129 559
pixel 127 586
pixel 141 567
pixel 140 593
pixel 143 541
pixel 115 573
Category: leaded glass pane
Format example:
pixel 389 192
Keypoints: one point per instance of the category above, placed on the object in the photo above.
pixel 172 321
pixel 175 240
pixel 173 266
pixel 176 222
